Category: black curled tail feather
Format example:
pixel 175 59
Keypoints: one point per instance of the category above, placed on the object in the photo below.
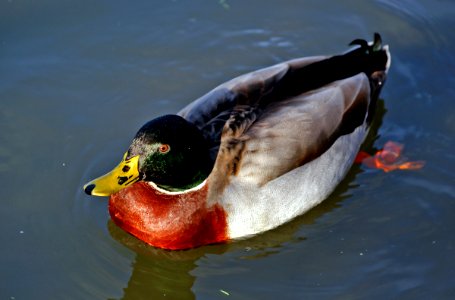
pixel 377 43
pixel 368 58
pixel 376 66
pixel 371 58
pixel 374 47
pixel 362 43
pixel 376 74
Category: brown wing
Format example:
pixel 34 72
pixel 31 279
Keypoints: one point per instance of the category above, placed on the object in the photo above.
pixel 291 132
pixel 295 131
pixel 236 103
pixel 261 139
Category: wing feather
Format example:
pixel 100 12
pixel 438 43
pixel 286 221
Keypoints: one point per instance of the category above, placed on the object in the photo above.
pixel 259 131
pixel 233 106
pixel 292 132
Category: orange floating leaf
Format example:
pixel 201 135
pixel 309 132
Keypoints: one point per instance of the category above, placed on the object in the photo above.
pixel 388 159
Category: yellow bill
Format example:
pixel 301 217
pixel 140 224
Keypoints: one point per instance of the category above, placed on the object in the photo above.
pixel 125 174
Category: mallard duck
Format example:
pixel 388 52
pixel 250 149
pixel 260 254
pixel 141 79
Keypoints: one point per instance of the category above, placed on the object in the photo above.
pixel 250 155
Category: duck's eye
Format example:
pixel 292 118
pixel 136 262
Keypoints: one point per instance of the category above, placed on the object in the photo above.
pixel 164 148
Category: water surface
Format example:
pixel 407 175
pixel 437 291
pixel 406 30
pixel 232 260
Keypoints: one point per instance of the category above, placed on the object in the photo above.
pixel 78 78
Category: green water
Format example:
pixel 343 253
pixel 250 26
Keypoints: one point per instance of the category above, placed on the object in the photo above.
pixel 78 78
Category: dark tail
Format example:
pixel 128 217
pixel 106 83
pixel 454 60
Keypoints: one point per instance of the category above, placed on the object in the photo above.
pixel 373 59
pixel 377 56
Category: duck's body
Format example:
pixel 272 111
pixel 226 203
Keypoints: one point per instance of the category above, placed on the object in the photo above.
pixel 278 141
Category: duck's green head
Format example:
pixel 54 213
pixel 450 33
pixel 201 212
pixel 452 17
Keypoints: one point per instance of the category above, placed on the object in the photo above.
pixel 168 151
